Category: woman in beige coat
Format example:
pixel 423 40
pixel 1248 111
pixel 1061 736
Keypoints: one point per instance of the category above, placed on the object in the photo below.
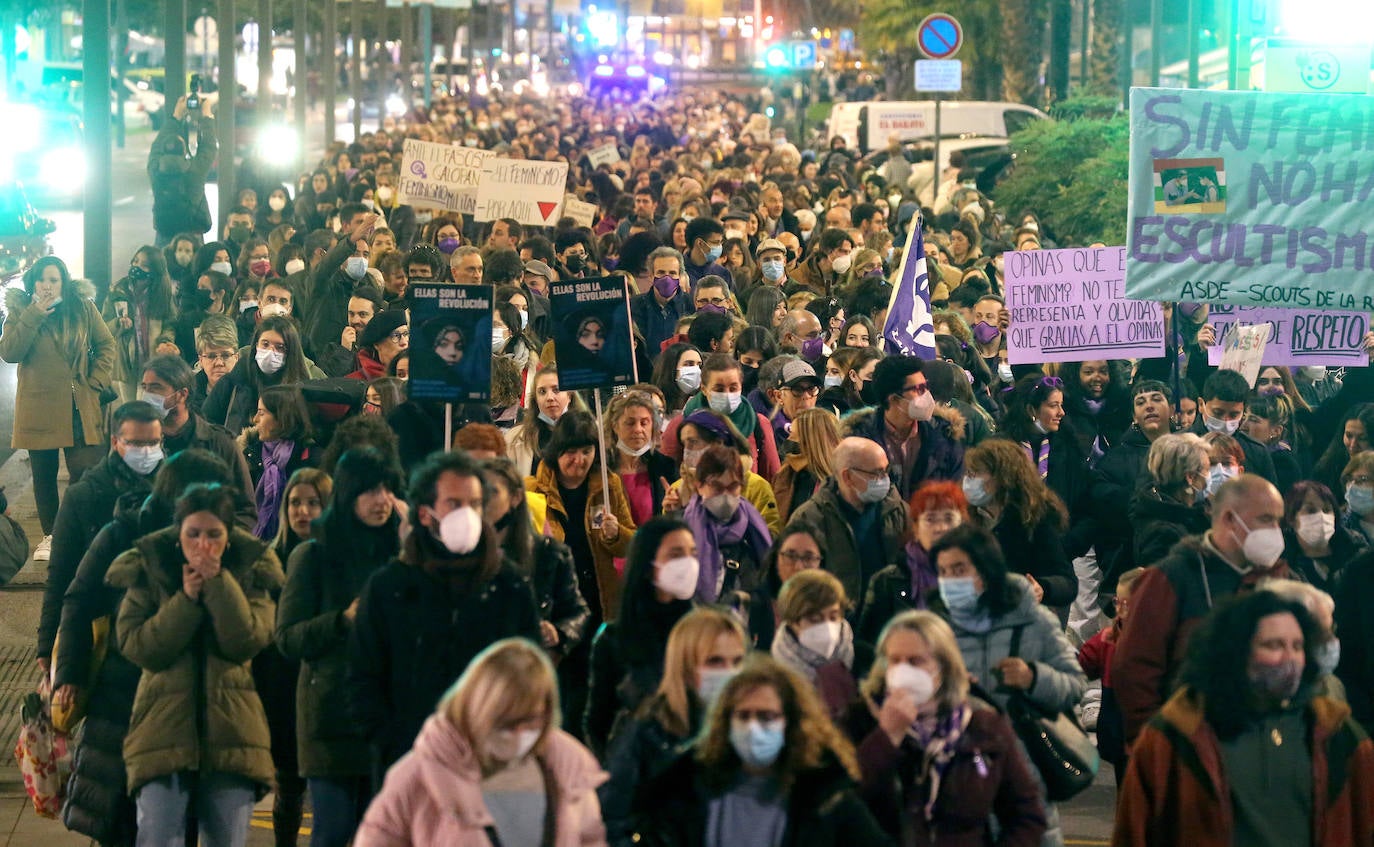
pixel 65 354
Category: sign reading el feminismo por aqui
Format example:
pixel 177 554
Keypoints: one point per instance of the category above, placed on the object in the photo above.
pixel 1252 198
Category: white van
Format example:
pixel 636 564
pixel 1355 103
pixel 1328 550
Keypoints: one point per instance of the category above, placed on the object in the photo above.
pixel 868 126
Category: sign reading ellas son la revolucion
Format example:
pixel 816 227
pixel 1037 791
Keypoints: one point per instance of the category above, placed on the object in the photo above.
pixel 1252 199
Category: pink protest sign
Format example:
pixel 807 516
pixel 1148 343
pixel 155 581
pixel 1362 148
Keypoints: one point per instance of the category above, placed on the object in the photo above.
pixel 1298 336
pixel 1071 306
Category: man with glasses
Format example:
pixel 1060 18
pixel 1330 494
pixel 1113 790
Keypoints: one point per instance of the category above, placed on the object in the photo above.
pixel 798 388
pixel 857 509
pixel 135 455
pixel 166 385
pixel 919 444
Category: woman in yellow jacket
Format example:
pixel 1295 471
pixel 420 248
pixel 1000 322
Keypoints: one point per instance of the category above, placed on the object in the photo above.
pixel 570 479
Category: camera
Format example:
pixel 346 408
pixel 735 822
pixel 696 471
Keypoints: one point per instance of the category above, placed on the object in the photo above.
pixel 193 94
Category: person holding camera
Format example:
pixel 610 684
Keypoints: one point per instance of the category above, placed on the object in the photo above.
pixel 178 177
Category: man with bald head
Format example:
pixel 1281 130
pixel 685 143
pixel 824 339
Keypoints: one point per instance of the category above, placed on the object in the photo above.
pixel 1171 599
pixel 860 515
pixel 800 333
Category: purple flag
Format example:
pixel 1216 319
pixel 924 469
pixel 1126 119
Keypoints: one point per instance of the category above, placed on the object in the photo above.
pixel 908 329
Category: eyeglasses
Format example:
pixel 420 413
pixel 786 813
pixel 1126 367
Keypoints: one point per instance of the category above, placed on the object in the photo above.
pixel 920 390
pixel 812 391
pixel 873 473
pixel 804 558
pixel 270 345
pixel 400 335
pixel 217 357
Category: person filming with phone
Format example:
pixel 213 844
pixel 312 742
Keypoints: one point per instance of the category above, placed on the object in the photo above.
pixel 178 176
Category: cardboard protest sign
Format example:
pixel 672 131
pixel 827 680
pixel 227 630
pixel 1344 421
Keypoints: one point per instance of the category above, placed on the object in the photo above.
pixel 582 212
pixel 1251 198
pixel 591 332
pixel 440 176
pixel 530 192
pixel 1243 350
pixel 1070 306
pixel 1297 336
pixel 606 154
pixel 450 342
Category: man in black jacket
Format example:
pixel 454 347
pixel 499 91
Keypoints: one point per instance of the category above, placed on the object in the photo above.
pixel 178 180
pixel 337 274
pixel 422 618
pixel 135 455
pixel 1221 409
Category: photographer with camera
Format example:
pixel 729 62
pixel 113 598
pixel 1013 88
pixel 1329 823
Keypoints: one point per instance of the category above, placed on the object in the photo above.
pixel 177 177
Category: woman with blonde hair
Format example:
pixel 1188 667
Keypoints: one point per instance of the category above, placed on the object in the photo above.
pixel 492 765
pixel 937 762
pixel 809 459
pixel 814 639
pixel 705 649
pixel 769 768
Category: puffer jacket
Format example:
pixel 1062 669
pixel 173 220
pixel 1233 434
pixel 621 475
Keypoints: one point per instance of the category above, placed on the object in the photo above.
pixel 560 602
pixel 1059 681
pixel 434 794
pixel 196 708
pixel 311 629
pixel 1159 522
pixel 57 373
pixel 942 446
pixel 96 804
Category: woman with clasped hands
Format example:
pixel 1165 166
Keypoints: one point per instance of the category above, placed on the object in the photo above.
pixel 197 608
pixel 938 762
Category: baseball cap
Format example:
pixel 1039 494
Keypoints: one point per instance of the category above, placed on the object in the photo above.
pixel 798 375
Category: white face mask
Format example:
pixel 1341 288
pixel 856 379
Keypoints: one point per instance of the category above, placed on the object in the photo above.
pixel 245 305
pixel 509 745
pixel 689 378
pixel 460 530
pixel 678 577
pixel 498 337
pixel 270 361
pixel 711 681
pixel 274 310
pixel 157 401
pixel 1004 373
pixel 821 638
pixel 1316 528
pixel 294 266
pixel 1219 425
pixel 636 452
pixel 917 682
pixel 223 267
pixel 1262 547
pixel 143 460
pixel 841 264
pixel 922 407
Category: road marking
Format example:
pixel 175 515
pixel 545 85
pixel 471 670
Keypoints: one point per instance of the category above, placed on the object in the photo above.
pixel 124 201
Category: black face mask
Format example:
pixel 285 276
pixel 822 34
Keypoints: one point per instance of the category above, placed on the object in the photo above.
pixel 138 274
pixel 575 263
pixel 868 393
pixel 749 377
pixel 202 299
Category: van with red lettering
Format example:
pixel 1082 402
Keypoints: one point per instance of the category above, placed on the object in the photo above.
pixel 867 126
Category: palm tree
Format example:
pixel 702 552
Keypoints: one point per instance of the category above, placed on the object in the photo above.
pixel 1104 69
pixel 1023 50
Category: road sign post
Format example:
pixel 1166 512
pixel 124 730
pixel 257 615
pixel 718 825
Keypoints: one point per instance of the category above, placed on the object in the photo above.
pixel 939 36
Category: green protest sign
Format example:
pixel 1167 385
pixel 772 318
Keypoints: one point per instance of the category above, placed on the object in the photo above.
pixel 1251 198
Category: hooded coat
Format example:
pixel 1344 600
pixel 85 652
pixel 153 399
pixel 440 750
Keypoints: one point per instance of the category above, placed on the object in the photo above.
pixel 434 794
pixel 58 371
pixel 197 708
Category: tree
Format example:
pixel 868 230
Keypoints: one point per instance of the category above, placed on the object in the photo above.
pixel 1022 47
pixel 888 31
pixel 1104 71
pixel 1072 171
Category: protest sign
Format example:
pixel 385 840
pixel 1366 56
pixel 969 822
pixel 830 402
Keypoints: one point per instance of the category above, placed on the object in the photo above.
pixel 591 333
pixel 450 342
pixel 582 212
pixel 1243 350
pixel 1070 306
pixel 1297 336
pixel 606 154
pixel 528 191
pixel 440 176
pixel 1251 198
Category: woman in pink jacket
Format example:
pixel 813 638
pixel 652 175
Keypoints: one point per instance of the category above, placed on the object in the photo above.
pixel 491 768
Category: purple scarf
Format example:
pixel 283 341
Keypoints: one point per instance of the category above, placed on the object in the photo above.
pixel 275 456
pixel 747 525
pixel 924 579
